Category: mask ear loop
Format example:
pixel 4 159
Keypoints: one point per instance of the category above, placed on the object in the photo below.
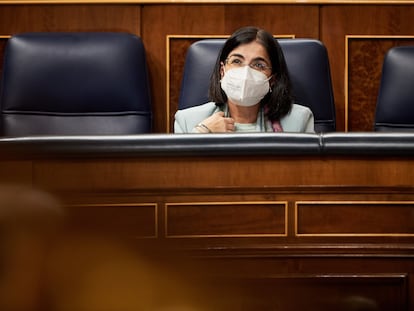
pixel 222 70
pixel 227 111
pixel 271 83
pixel 222 73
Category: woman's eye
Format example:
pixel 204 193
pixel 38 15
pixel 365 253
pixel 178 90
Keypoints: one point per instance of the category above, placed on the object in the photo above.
pixel 260 66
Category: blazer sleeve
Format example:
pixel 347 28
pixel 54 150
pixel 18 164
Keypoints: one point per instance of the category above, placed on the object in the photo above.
pixel 310 124
pixel 185 120
pixel 299 119
pixel 179 123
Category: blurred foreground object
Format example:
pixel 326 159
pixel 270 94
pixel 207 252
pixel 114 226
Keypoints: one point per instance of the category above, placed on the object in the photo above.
pixel 29 221
pixel 47 266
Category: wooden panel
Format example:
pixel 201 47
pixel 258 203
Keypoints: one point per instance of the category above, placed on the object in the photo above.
pixel 224 172
pixel 365 59
pixel 3 41
pixel 320 292
pixel 80 17
pixel 355 218
pixel 225 219
pixel 159 21
pixel 16 172
pixel 339 21
pixel 128 220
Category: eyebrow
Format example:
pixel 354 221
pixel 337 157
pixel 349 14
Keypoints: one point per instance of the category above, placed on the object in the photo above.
pixel 238 55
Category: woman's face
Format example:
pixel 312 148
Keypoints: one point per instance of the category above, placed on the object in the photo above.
pixel 252 54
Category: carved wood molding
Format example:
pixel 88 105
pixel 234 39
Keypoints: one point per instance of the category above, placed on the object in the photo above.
pixel 253 2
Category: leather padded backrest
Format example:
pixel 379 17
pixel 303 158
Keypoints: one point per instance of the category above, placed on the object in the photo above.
pixel 307 62
pixel 75 84
pixel 395 102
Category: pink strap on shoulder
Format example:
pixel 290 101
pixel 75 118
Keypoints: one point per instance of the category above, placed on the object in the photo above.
pixel 277 127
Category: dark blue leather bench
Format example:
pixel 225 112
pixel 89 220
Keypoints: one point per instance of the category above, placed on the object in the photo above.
pixel 170 145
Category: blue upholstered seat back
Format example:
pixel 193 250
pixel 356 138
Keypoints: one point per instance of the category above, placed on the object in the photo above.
pixel 75 84
pixel 395 102
pixel 308 66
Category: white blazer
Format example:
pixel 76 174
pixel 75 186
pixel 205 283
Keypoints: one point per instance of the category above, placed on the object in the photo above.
pixel 299 119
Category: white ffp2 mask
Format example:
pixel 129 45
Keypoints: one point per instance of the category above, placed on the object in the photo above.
pixel 245 86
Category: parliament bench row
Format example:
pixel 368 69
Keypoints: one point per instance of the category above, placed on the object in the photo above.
pixel 97 83
pixel 175 145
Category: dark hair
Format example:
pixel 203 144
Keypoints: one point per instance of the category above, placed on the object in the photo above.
pixel 279 101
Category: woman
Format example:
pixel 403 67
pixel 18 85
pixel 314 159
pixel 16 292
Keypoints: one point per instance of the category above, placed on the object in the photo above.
pixel 249 91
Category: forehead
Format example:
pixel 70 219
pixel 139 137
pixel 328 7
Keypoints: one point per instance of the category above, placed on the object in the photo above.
pixel 251 50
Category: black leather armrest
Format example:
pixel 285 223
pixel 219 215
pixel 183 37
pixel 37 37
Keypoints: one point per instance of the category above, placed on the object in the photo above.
pixel 368 143
pixel 160 145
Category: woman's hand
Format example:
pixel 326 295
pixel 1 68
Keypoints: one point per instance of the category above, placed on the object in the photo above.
pixel 216 123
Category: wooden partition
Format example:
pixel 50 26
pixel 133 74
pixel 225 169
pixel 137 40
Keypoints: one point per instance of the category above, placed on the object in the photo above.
pixel 356 35
pixel 284 223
